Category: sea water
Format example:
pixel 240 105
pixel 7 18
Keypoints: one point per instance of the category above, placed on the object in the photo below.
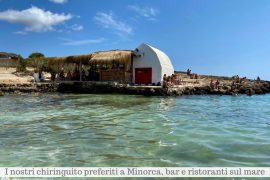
pixel 129 130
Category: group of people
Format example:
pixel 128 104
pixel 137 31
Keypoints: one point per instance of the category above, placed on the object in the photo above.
pixel 75 75
pixel 214 85
pixel 169 81
pixel 237 79
pixel 192 76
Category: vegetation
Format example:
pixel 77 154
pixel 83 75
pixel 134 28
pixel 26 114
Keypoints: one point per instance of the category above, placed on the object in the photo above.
pixel 22 63
pixel 36 60
pixel 36 55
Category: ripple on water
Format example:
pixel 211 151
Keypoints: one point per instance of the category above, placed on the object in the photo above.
pixel 123 130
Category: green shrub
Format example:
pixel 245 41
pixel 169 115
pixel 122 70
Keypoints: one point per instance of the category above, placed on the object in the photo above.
pixel 21 67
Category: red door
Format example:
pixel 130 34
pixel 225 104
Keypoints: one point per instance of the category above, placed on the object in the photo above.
pixel 143 75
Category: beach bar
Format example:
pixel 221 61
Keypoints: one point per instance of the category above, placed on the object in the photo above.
pixel 145 65
pixel 115 65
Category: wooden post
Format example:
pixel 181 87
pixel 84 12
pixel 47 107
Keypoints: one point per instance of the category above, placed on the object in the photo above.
pixel 80 70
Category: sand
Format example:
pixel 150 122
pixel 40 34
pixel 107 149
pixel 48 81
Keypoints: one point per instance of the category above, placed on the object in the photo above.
pixel 8 76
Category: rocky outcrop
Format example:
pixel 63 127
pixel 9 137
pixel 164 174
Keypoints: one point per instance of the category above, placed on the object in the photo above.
pixel 28 88
pixel 249 88
pixel 101 87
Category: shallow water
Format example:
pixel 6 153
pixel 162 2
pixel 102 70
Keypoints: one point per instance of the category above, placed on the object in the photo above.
pixel 122 130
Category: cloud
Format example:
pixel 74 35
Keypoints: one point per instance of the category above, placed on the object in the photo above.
pixel 34 19
pixel 59 1
pixel 149 13
pixel 20 32
pixel 108 21
pixel 70 42
pixel 76 27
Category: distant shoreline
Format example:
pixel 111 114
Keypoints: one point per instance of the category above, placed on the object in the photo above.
pixel 188 86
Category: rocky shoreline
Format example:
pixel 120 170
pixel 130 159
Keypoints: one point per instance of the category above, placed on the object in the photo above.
pixel 27 88
pixel 250 88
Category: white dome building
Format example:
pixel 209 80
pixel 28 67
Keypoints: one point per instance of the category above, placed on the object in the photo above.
pixel 150 64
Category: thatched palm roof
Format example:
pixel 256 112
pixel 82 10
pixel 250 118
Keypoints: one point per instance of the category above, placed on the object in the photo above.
pixel 101 57
pixel 104 57
pixel 70 59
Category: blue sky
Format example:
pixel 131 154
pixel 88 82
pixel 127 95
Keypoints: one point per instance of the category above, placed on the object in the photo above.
pixel 218 37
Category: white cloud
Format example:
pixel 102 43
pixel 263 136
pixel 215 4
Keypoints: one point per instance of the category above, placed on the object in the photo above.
pixel 149 13
pixel 70 42
pixel 59 1
pixel 108 21
pixel 34 19
pixel 20 32
pixel 76 27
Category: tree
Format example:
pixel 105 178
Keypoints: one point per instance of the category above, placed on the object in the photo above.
pixel 37 59
pixel 20 57
pixel 36 55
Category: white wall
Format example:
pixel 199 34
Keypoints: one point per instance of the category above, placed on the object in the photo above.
pixel 166 64
pixel 155 59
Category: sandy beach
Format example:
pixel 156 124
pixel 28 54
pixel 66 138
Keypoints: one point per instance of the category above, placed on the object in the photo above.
pixel 8 76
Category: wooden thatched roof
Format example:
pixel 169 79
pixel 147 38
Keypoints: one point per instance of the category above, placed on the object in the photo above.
pixel 101 57
pixel 70 59
pixel 104 57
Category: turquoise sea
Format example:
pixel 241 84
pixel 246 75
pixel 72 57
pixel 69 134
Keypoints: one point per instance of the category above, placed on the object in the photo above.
pixel 128 130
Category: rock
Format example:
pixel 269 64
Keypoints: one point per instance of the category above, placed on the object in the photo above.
pixel 223 91
pixel 152 90
pixel 226 87
pixel 17 92
pixel 250 92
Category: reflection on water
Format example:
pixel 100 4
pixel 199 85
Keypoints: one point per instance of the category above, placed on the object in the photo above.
pixel 126 130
